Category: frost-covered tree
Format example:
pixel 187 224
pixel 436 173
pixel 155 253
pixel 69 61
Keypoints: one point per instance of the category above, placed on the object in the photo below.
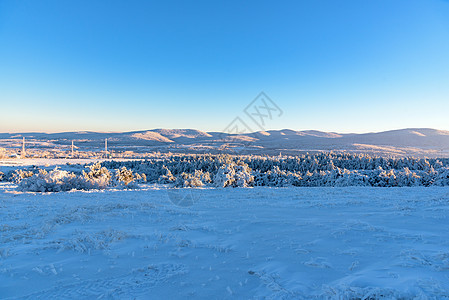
pixel 167 176
pixel 127 178
pixel 188 180
pixel 442 179
pixel 234 175
pixel 97 176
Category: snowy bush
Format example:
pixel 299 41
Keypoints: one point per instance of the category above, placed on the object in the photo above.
pixel 197 179
pixel 188 180
pixel 277 177
pixel 19 175
pixel 408 178
pixel 53 181
pixel 167 176
pixel 442 179
pixel 351 178
pixel 97 177
pixel 127 179
pixel 234 175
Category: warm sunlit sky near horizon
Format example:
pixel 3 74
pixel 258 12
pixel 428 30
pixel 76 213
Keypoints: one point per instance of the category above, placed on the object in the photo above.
pixel 344 66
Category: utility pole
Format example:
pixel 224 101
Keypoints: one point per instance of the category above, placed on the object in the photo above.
pixel 72 149
pixel 106 146
pixel 23 148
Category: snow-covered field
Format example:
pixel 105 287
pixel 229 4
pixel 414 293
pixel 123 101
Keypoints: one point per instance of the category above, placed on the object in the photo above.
pixel 273 243
pixel 51 162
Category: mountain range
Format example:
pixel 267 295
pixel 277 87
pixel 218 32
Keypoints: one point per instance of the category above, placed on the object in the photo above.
pixel 404 142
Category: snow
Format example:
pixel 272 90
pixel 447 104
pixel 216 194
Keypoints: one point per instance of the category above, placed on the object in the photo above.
pixel 152 136
pixel 251 243
pixel 52 162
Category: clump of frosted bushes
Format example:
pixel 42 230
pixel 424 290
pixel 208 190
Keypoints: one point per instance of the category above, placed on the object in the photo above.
pixel 95 177
pixel 19 175
pixel 234 174
pixel 230 174
pixel 184 170
pixel 197 179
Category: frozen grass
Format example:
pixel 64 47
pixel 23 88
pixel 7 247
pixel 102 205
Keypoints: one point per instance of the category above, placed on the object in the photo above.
pixel 272 243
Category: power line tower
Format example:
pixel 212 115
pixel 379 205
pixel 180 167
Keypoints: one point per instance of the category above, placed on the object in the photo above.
pixel 106 147
pixel 23 147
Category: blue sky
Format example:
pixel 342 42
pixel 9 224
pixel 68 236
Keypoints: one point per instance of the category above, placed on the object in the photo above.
pixel 345 66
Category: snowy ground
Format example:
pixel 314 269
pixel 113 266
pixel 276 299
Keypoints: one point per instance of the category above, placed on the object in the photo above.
pixel 273 243
pixel 52 162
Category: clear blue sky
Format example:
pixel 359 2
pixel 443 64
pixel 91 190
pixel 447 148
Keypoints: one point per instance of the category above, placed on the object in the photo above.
pixel 346 66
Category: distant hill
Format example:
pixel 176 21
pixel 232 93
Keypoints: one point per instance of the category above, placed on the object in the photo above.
pixel 403 142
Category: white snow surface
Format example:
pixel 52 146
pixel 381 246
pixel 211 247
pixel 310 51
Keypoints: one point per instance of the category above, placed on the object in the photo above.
pixel 52 162
pixel 252 243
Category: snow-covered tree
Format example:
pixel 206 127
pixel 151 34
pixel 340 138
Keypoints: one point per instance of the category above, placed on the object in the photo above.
pixel 234 175
pixel 167 176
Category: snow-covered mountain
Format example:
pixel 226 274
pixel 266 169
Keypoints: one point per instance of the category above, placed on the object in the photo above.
pixel 411 141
